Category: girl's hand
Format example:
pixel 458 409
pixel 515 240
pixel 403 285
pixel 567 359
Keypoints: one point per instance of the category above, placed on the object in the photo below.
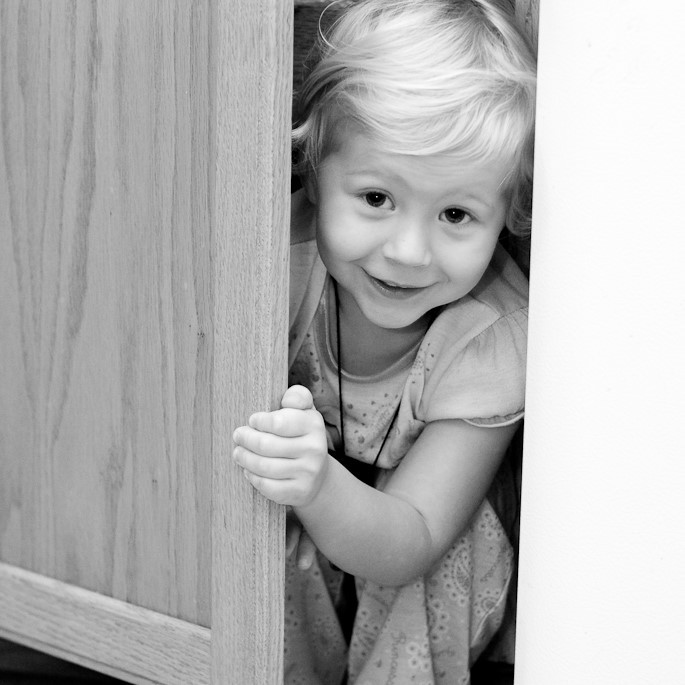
pixel 284 453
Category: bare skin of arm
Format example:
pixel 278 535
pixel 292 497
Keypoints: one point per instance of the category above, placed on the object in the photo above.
pixel 391 536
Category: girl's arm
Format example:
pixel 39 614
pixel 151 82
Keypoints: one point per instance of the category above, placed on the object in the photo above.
pixel 392 536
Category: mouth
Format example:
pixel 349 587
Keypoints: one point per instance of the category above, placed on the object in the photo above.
pixel 395 290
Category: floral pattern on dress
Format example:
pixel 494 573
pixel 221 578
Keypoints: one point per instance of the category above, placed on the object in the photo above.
pixel 428 632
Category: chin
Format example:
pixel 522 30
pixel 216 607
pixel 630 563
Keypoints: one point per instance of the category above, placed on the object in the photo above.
pixel 392 321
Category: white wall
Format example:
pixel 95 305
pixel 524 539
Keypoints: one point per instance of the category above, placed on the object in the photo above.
pixel 602 596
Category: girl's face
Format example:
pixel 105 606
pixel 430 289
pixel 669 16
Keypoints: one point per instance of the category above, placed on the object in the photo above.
pixel 405 234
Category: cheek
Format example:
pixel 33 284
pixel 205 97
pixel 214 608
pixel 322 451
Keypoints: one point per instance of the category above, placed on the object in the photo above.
pixel 341 239
pixel 465 266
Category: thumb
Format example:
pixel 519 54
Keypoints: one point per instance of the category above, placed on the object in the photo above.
pixel 297 397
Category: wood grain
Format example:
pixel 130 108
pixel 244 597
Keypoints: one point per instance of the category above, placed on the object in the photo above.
pixel 133 644
pixel 250 269
pixel 144 178
pixel 105 468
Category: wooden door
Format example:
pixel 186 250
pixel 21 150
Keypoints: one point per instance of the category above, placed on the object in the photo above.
pixel 144 169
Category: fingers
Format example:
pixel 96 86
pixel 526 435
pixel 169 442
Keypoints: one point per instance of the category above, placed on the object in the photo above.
pixel 280 491
pixel 288 422
pixel 284 433
pixel 296 492
pixel 284 453
pixel 285 447
pixel 293 480
pixel 273 468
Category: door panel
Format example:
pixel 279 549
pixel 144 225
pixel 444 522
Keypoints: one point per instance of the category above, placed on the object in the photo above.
pixel 143 309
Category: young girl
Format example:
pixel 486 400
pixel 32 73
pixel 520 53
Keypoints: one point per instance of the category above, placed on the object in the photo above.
pixel 407 341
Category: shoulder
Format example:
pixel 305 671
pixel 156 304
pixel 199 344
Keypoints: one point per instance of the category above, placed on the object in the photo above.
pixel 472 362
pixel 502 289
pixel 498 303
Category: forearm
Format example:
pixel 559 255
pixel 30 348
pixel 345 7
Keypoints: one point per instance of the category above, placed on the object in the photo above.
pixel 391 536
pixel 366 532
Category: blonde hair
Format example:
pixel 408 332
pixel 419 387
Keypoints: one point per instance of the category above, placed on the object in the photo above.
pixel 426 77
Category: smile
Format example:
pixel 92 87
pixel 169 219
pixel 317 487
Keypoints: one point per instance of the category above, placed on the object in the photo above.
pixel 394 290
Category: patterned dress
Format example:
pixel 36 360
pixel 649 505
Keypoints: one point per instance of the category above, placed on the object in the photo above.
pixel 470 365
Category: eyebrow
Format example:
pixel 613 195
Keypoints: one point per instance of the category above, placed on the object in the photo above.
pixel 479 200
pixel 371 172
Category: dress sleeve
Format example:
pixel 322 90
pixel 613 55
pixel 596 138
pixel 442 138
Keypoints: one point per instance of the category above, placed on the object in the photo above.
pixel 480 380
pixel 307 278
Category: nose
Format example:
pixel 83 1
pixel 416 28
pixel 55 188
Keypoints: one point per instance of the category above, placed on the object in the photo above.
pixel 408 244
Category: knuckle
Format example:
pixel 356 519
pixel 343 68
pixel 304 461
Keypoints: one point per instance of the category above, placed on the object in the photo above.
pixel 310 468
pixel 278 422
pixel 266 468
pixel 263 486
pixel 314 419
pixel 302 490
pixel 314 446
pixel 261 443
pixel 317 425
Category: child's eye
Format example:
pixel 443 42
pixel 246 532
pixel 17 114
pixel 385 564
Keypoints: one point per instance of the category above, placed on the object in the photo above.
pixel 376 199
pixel 454 215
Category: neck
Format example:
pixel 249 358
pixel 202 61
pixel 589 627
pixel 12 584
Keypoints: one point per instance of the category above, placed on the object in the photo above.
pixel 368 349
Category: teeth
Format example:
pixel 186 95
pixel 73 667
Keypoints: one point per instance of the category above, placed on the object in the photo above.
pixel 396 285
